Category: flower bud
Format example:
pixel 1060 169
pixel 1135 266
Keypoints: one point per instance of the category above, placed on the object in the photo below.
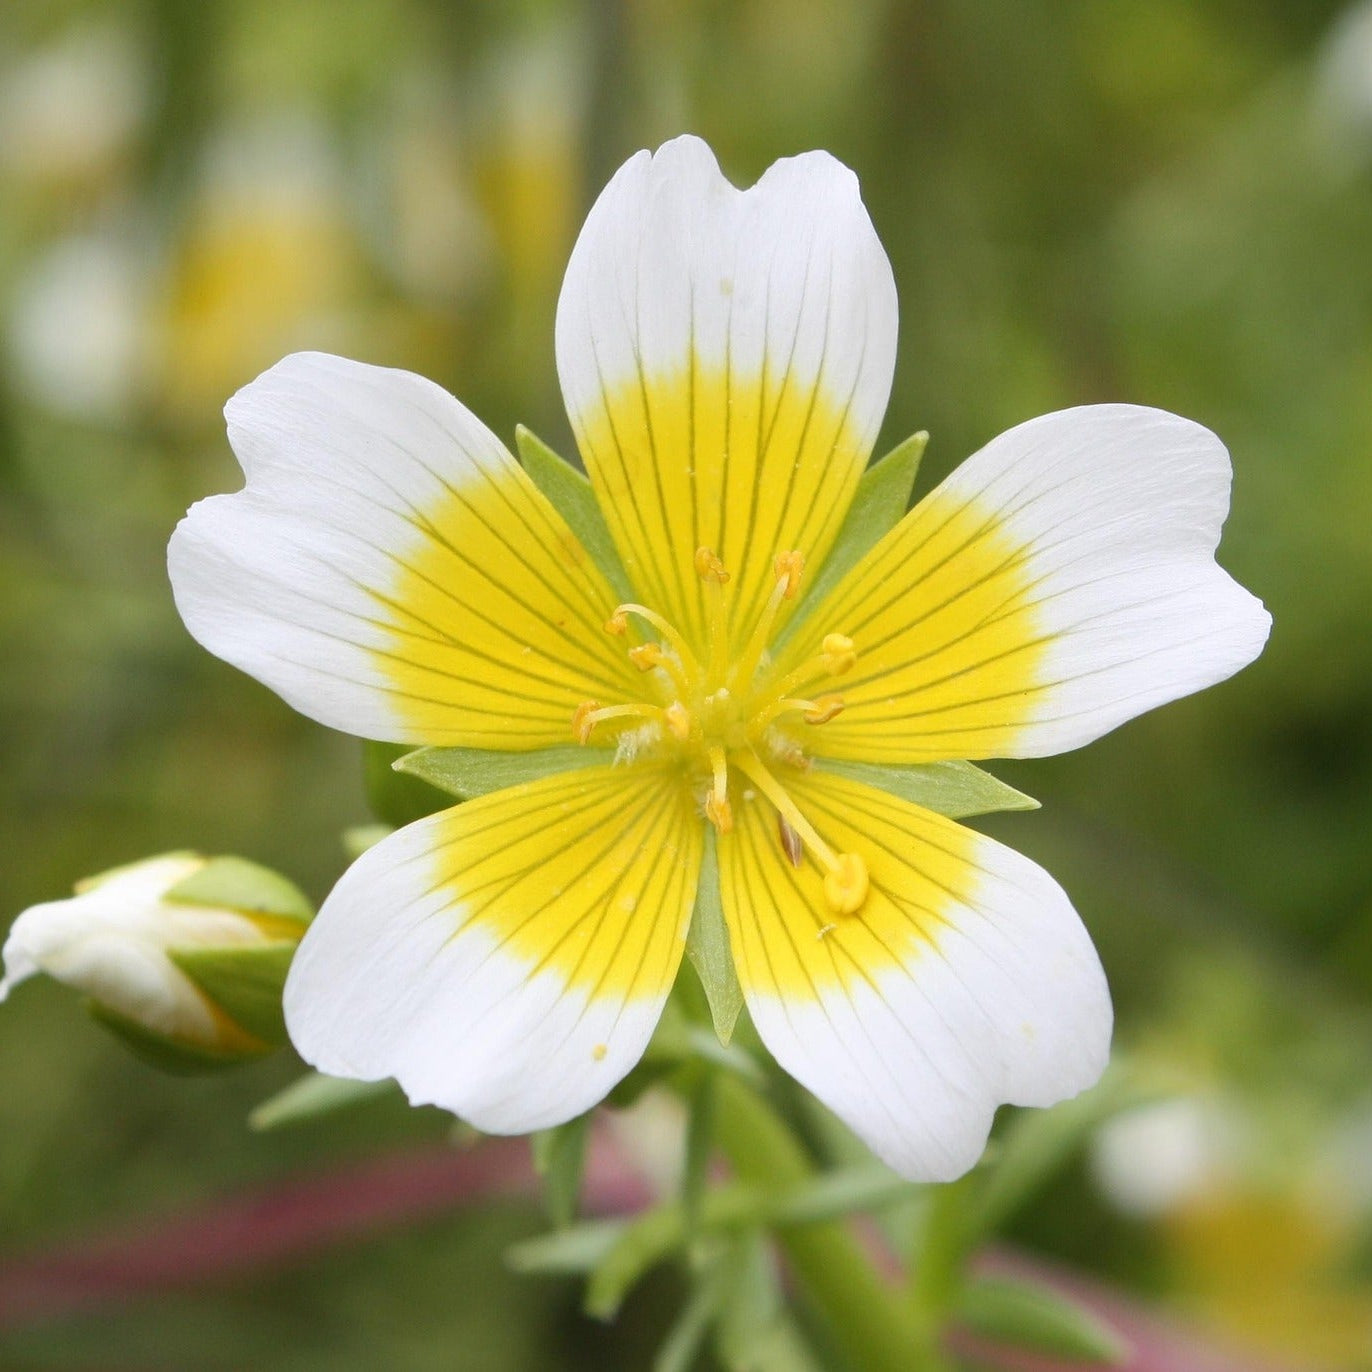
pixel 182 956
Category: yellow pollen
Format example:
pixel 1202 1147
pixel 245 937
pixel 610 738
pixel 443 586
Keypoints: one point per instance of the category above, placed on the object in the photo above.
pixel 820 710
pixel 678 719
pixel 646 656
pixel 839 653
pixel 582 723
pixel 709 567
pixel 618 623
pixel 788 568
pixel 678 644
pixel 845 885
pixel 599 1052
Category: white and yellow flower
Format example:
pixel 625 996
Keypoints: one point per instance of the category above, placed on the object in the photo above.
pixel 726 358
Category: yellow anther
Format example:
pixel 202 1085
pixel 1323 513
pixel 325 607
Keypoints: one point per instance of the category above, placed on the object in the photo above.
pixel 719 812
pixel 678 719
pixel 582 721
pixel 839 653
pixel 618 623
pixel 666 630
pixel 646 656
pixel 709 567
pixel 822 710
pixel 845 884
pixel 788 568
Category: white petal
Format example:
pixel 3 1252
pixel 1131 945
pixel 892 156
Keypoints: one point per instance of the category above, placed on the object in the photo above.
pixel 726 358
pixel 1058 583
pixel 508 959
pixel 389 569
pixel 966 979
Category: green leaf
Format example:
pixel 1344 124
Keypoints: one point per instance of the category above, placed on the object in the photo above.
pixel 313 1095
pixel 469 772
pixel 881 498
pixel 234 883
pixel 572 1252
pixel 244 982
pixel 167 1055
pixel 641 1246
pixel 569 491
pixel 707 945
pixel 397 799
pixel 1033 1318
pixel 865 1186
pixel 560 1159
pixel 953 789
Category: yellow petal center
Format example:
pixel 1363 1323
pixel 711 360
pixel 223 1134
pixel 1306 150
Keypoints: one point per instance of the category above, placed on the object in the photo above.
pixel 727 718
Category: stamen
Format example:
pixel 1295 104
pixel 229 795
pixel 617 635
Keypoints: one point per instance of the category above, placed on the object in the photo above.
pixel 717 808
pixel 646 656
pixel 818 711
pixel 678 719
pixel 839 653
pixel 714 574
pixel 709 567
pixel 845 874
pixel 678 644
pixel 590 713
pixel 788 568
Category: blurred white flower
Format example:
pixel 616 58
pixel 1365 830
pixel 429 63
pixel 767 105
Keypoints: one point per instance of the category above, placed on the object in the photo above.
pixel 1154 1158
pixel 68 110
pixel 79 328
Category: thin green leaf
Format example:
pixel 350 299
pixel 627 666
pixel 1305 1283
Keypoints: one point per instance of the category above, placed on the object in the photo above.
pixel 684 1340
pixel 831 1195
pixel 707 946
pixel 243 982
pixel 570 493
pixel 234 883
pixel 752 1307
pixel 397 799
pixel 313 1095
pixel 700 1139
pixel 1035 1319
pixel 469 772
pixel 954 789
pixel 881 498
pixel 571 1252
pixel 560 1159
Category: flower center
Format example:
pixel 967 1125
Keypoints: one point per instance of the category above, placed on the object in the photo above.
pixel 727 717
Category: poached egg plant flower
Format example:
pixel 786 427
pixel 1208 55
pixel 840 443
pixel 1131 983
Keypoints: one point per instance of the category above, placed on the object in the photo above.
pixel 726 358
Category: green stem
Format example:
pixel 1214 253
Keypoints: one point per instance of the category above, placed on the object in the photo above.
pixel 871 1318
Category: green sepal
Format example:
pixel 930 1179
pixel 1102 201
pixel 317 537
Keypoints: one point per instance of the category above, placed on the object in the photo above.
pixel 953 789
pixel 700 1141
pixel 1029 1317
pixel 707 945
pixel 244 982
pixel 395 798
pixel 569 491
pixel 314 1095
pixel 234 883
pixel 168 1055
pixel 469 772
pixel 560 1159
pixel 881 498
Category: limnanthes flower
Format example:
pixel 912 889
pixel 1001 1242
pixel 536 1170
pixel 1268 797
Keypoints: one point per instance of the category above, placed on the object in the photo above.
pixel 726 358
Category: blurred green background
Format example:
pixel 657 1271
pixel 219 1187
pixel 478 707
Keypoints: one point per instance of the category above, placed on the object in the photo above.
pixel 1158 201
